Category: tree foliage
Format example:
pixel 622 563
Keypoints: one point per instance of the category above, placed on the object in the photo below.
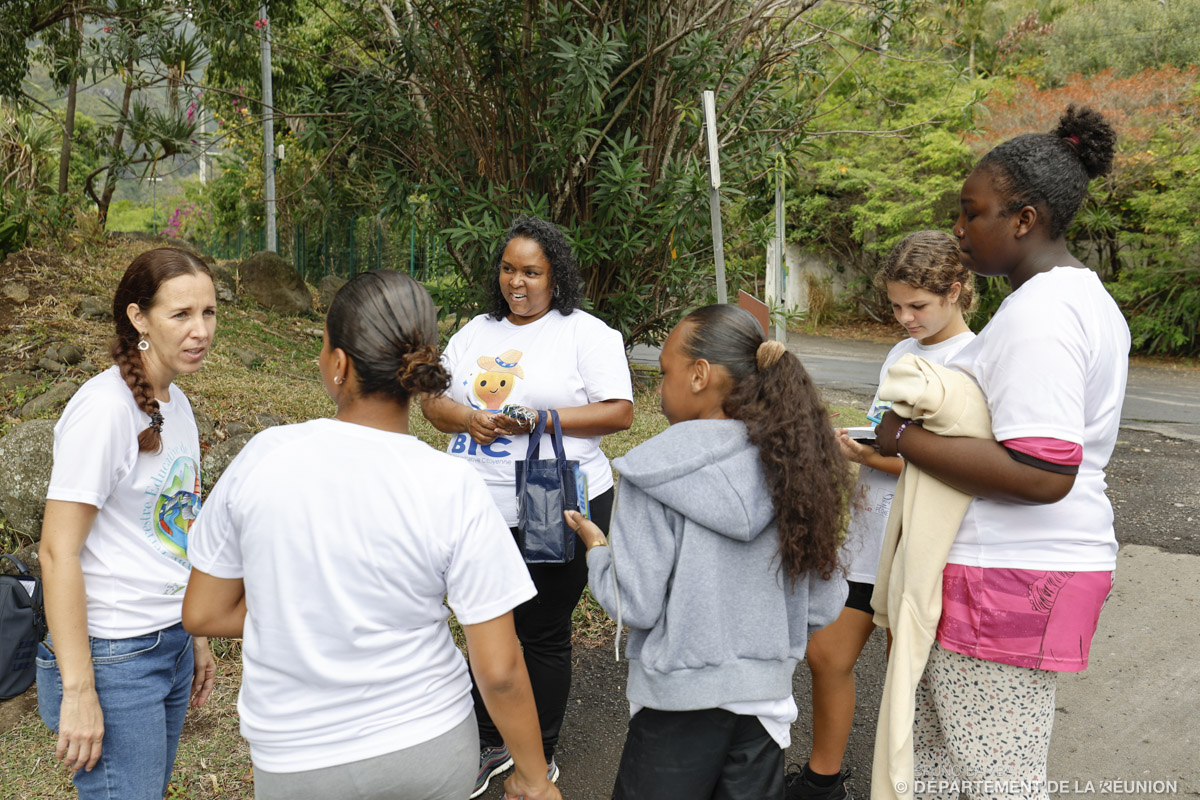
pixel 585 113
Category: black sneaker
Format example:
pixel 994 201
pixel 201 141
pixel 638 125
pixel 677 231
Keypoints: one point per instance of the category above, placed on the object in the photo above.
pixel 797 787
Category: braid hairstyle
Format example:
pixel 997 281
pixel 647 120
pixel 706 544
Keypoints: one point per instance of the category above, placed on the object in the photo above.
pixel 564 269
pixel 387 324
pixel 1050 171
pixel 139 286
pixel 929 260
pixel 788 423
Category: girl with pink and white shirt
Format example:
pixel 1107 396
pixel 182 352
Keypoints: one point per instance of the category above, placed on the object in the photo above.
pixel 1033 559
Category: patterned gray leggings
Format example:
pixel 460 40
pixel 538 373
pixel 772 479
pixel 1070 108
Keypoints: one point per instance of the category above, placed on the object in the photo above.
pixel 982 729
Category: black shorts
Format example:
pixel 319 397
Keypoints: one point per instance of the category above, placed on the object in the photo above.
pixel 860 596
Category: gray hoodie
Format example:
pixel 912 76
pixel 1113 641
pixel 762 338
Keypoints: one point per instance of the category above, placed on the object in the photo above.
pixel 712 617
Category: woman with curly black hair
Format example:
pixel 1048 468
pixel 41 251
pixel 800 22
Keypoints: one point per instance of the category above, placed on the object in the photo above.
pixel 535 350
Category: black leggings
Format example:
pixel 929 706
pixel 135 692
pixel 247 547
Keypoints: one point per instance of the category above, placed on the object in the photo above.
pixel 544 628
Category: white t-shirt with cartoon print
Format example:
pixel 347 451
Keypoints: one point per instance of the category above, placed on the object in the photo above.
pixel 554 362
pixel 354 545
pixel 871 501
pixel 134 560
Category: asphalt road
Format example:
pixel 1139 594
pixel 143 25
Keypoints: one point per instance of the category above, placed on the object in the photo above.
pixel 1159 399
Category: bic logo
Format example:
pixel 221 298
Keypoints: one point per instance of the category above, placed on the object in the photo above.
pixel 465 444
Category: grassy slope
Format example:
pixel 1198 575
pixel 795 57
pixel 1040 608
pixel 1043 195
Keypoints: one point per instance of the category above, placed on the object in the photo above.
pixel 213 760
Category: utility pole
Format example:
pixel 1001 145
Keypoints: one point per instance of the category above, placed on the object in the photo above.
pixel 709 100
pixel 268 131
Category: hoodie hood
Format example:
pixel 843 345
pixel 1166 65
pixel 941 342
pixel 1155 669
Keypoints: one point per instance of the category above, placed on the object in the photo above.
pixel 707 470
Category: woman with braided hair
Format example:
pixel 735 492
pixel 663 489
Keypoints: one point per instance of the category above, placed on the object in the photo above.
pixel 722 561
pixel 117 670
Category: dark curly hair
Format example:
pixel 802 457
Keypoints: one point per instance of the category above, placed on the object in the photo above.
pixel 566 282
pixel 929 260
pixel 1050 171
pixel 387 324
pixel 139 285
pixel 786 420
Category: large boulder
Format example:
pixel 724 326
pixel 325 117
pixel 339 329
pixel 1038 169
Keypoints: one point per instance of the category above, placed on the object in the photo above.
pixel 27 454
pixel 224 282
pixel 221 455
pixel 327 289
pixel 274 284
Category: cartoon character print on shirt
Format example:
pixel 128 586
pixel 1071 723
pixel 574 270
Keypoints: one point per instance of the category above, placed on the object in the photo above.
pixel 495 383
pixel 491 388
pixel 172 505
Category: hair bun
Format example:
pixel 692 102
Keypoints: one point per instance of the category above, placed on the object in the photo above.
pixel 768 353
pixel 1090 136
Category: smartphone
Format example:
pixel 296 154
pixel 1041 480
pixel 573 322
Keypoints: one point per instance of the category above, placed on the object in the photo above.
pixel 863 434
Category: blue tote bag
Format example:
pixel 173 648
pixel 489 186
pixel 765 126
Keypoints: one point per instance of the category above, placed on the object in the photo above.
pixel 546 487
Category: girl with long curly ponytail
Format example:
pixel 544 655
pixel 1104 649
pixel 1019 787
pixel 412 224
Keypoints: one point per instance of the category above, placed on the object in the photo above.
pixel 723 556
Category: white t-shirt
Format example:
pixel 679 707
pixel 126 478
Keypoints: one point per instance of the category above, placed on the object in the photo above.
pixel 1052 363
pixel 554 362
pixel 135 558
pixel 871 501
pixel 348 538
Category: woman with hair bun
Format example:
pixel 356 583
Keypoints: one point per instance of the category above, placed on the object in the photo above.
pixel 329 547
pixel 722 561
pixel 116 671
pixel 1032 561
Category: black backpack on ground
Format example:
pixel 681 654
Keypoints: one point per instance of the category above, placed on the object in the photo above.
pixel 22 626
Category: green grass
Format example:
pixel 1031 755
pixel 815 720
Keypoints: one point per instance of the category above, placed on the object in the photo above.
pixel 213 759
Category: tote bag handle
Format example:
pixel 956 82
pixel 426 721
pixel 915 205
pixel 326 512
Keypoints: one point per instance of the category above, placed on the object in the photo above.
pixel 556 436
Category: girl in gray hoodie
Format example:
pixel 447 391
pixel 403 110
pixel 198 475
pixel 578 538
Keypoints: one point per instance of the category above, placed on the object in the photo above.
pixel 725 535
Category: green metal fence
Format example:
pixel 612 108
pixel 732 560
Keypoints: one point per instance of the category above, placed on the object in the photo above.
pixel 345 247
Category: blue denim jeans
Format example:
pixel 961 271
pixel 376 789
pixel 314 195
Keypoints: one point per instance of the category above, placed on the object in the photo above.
pixel 143 684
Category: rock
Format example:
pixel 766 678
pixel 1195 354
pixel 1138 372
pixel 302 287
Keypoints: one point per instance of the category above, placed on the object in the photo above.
pixel 15 381
pixel 206 427
pixel 236 428
pixel 224 281
pixel 220 455
pixel 248 357
pixel 50 365
pixel 52 353
pixel 69 354
pixel 93 307
pixel 17 292
pixel 268 420
pixel 14 710
pixel 87 368
pixel 327 288
pixel 27 453
pixel 53 398
pixel 274 284
pixel 28 555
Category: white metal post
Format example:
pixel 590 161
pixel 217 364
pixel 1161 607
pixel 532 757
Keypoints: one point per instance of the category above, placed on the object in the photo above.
pixel 709 101
pixel 779 265
pixel 268 132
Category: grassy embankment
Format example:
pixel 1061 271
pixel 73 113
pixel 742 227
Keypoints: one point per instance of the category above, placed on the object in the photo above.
pixel 213 760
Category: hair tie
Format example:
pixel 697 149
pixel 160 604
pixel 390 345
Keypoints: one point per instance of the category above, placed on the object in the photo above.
pixel 768 353
pixel 156 422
